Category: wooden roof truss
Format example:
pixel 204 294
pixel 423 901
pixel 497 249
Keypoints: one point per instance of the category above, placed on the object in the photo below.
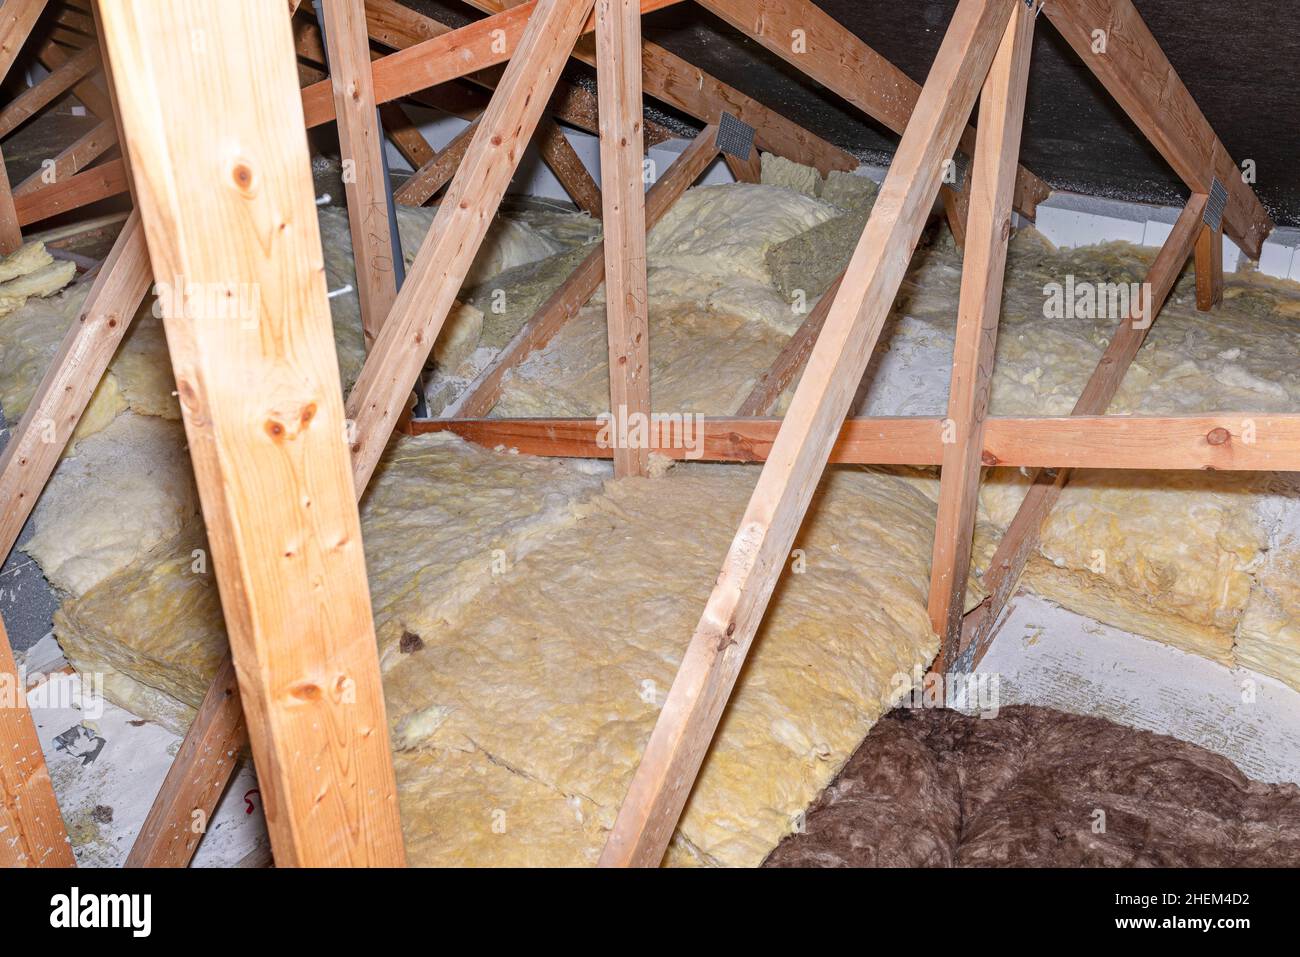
pixel 205 149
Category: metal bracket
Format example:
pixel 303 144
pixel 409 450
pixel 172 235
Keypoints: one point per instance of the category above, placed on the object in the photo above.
pixel 735 137
pixel 960 165
pixel 1214 205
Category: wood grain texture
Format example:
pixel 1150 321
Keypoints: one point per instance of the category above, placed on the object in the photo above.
pixel 89 91
pixel 73 158
pixel 562 305
pixel 11 232
pixel 422 185
pixel 183 808
pixel 17 17
pixel 229 216
pixel 361 147
pixel 839 61
pixel 563 160
pixel 988 223
pixel 458 229
pixel 89 186
pixel 627 297
pixel 1021 536
pixel 31 828
pixel 790 476
pixel 672 80
pixel 1209 268
pixel 1145 85
pixel 64 391
pixel 1224 441
pixel 35 98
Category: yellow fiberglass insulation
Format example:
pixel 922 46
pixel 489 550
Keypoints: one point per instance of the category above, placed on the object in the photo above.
pixel 530 615
pixel 530 623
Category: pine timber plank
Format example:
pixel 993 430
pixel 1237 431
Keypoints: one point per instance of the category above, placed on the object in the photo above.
pixel 1021 536
pixel 362 146
pixel 74 158
pixel 1145 85
pixel 988 224
pixel 260 402
pixel 11 233
pixel 1222 441
pixel 17 17
pixel 627 298
pixel 89 91
pixel 51 417
pixel 791 359
pixel 563 304
pixel 89 186
pixel 31 828
pixel 1209 268
pixel 785 487
pixel 458 229
pixel 669 78
pixel 839 61
pixel 35 98
pixel 422 185
pixel 562 160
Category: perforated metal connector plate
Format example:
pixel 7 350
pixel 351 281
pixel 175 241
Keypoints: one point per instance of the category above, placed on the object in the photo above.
pixel 1215 204
pixel 955 174
pixel 735 137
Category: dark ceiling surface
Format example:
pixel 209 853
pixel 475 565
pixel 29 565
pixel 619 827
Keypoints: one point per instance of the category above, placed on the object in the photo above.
pixel 1240 60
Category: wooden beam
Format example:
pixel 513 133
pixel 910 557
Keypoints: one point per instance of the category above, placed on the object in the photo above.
pixel 1139 76
pixel 89 186
pixel 88 346
pixel 1222 441
pixel 749 170
pixel 361 146
pixel 559 155
pixel 88 91
pixel 72 159
pixel 31 828
pixel 422 185
pixel 1209 268
pixel 672 80
pixel 476 46
pixel 563 304
pixel 627 297
pixel 405 135
pixel 11 233
pixel 259 394
pixel 992 183
pixel 790 476
pixel 458 229
pixel 183 808
pixel 815 43
pixel 17 17
pixel 35 98
pixel 791 359
pixel 1021 536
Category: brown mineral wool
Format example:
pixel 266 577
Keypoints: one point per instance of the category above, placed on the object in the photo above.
pixel 934 788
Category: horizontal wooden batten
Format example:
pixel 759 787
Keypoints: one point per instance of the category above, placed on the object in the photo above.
pixel 1225 441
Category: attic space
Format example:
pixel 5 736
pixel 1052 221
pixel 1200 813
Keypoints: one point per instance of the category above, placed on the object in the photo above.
pixel 686 433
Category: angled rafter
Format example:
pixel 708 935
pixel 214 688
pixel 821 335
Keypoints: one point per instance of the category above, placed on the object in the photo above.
pixel 72 159
pixel 56 407
pixel 31 828
pixel 88 91
pixel 422 185
pixel 361 145
pixel 563 304
pixel 17 17
pixel 460 225
pixel 35 98
pixel 839 61
pixel 785 487
pixel 259 396
pixel 89 186
pixel 627 300
pixel 791 359
pixel 1139 76
pixel 669 78
pixel 559 155
pixel 992 183
pixel 1021 536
